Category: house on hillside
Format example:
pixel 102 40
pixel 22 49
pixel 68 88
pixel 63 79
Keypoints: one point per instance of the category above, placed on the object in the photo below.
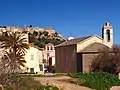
pixel 34 60
pixel 75 55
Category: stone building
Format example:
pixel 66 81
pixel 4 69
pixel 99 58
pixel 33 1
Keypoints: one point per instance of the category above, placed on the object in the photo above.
pixel 75 55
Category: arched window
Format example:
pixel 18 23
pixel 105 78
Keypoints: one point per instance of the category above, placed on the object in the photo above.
pixel 108 35
pixel 51 48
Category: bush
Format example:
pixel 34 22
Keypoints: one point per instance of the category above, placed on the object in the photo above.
pixel 107 61
pixel 97 81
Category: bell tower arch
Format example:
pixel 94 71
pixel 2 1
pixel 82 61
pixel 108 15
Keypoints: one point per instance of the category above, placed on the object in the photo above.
pixel 107 34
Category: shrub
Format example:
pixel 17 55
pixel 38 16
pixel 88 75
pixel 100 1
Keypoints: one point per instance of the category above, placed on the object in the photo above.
pixel 107 61
pixel 97 81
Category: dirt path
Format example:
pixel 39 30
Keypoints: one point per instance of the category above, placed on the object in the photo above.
pixel 63 84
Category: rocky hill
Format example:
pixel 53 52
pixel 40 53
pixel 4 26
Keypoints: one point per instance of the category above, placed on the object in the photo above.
pixel 36 35
pixel 40 37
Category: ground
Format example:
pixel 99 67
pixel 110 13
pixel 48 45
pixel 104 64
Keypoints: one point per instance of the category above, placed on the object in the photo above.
pixel 61 81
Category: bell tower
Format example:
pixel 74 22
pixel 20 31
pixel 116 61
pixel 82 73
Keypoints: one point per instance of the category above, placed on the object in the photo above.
pixel 107 34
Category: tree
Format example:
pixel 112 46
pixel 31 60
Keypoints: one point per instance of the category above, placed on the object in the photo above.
pixel 11 62
pixel 107 61
pixel 9 67
pixel 55 34
pixel 57 41
pixel 39 43
pixel 14 42
pixel 45 33
pixel 14 47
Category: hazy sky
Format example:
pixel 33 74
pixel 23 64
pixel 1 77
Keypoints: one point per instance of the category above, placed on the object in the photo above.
pixel 80 17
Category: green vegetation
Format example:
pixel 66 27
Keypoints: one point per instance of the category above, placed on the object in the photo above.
pixel 30 84
pixel 108 60
pixel 14 47
pixel 97 81
pixel 40 39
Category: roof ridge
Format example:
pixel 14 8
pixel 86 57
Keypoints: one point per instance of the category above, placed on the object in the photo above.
pixel 73 41
pixel 83 36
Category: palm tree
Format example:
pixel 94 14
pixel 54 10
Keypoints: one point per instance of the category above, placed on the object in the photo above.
pixel 10 66
pixel 11 62
pixel 14 46
pixel 14 41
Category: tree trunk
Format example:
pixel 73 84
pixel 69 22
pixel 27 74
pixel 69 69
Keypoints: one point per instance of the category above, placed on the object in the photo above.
pixel 16 86
pixel 1 87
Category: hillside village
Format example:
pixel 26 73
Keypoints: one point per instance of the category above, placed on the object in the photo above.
pixel 42 41
pixel 45 52
pixel 42 55
pixel 59 45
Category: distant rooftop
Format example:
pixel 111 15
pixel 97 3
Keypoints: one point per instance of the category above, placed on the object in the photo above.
pixel 73 41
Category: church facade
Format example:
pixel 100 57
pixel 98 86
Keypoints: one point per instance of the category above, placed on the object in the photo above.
pixel 75 55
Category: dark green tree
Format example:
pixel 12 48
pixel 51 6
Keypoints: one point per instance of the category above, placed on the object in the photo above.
pixel 45 33
pixel 31 37
pixel 40 44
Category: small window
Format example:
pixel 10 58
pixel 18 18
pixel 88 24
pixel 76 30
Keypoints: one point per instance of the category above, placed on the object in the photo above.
pixel 27 68
pixel 41 67
pixel 108 35
pixel 32 57
pixel 50 61
pixel 32 70
pixel 48 48
pixel 51 48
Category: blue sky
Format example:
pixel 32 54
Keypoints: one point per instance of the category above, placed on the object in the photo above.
pixel 80 17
